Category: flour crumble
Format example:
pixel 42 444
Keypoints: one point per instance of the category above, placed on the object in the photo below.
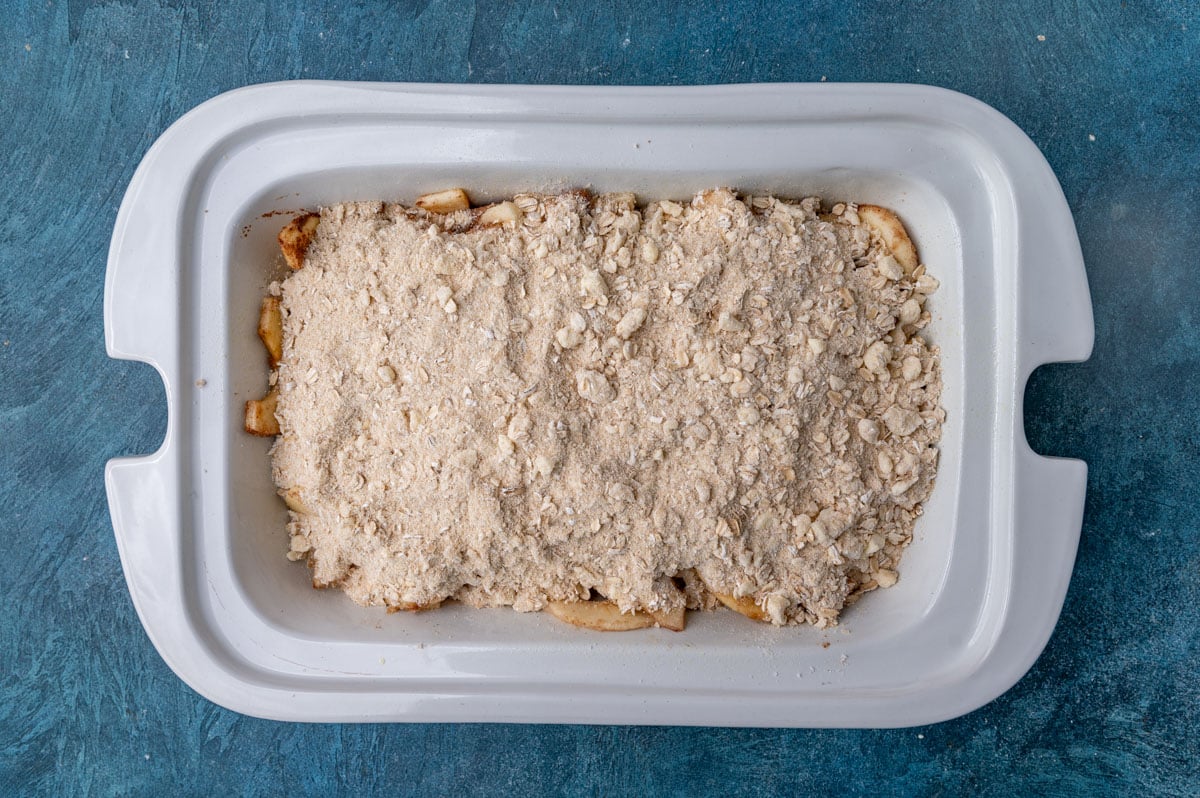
pixel 655 405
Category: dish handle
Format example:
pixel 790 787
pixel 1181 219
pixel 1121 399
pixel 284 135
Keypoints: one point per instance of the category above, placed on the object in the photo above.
pixel 1055 324
pixel 141 322
pixel 144 505
pixel 1055 321
pixel 1046 530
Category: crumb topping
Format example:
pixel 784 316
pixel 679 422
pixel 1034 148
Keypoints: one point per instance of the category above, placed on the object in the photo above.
pixel 722 396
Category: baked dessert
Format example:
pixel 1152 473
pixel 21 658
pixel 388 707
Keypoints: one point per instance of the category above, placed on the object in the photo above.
pixel 609 412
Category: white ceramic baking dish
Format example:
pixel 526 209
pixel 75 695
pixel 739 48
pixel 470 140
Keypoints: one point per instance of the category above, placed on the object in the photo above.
pixel 201 532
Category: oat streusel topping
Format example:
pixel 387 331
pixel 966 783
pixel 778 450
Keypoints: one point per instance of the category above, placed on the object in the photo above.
pixel 654 404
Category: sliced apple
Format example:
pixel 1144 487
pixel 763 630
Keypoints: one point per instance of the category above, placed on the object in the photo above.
pixel 744 605
pixel 270 328
pixel 448 201
pixel 260 415
pixel 295 238
pixel 887 225
pixel 410 606
pixel 675 619
pixel 500 213
pixel 602 616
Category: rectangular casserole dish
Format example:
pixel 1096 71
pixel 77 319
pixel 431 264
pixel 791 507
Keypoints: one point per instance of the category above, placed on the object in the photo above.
pixel 201 531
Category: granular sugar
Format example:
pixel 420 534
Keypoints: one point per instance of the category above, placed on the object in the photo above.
pixel 654 405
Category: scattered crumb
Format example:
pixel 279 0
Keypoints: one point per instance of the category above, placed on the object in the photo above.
pixel 1091 136
pixel 200 383
pixel 1041 38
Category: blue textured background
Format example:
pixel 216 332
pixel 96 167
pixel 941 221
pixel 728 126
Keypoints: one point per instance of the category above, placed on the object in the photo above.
pixel 87 706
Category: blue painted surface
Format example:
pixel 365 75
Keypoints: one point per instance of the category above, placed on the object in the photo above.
pixel 1112 707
